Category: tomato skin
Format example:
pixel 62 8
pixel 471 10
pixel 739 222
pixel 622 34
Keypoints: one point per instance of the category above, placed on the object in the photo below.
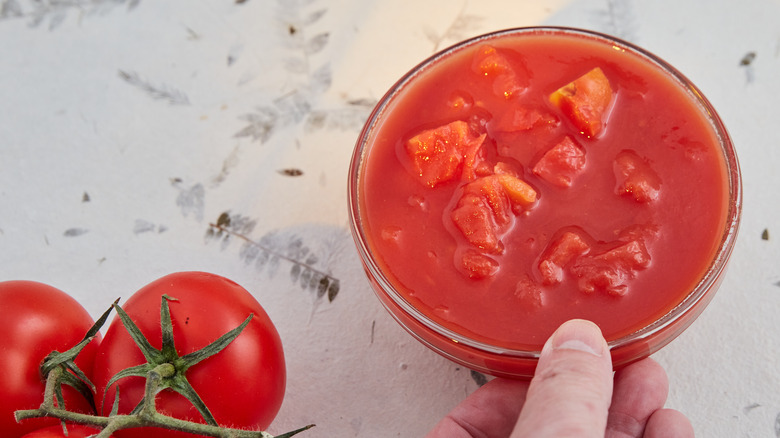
pixel 74 431
pixel 36 319
pixel 243 385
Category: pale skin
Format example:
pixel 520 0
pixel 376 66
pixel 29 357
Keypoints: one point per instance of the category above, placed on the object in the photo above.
pixel 574 393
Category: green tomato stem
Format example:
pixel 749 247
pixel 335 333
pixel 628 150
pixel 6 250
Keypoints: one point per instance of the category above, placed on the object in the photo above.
pixel 148 416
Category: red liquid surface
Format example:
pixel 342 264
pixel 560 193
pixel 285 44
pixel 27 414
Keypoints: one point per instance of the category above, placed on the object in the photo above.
pixel 409 224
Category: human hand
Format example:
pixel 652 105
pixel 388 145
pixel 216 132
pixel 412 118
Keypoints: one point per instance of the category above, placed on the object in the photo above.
pixel 572 394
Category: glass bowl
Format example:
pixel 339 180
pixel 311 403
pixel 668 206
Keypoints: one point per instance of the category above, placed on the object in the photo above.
pixel 407 264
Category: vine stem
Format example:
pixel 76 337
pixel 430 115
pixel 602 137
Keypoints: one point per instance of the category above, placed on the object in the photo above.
pixel 50 409
pixel 148 416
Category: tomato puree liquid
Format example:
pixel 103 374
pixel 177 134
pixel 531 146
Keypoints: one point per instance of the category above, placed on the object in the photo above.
pixel 524 180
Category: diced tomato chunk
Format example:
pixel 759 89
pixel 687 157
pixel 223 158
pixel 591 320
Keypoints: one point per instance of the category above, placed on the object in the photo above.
pixel 494 65
pixel 481 168
pixel 529 294
pixel 632 254
pixel 611 270
pixel 507 85
pixel 435 157
pixel 560 253
pixel 505 168
pixel 471 157
pixel 478 265
pixel 585 101
pixel 487 206
pixel 635 177
pixel 438 154
pixel 520 193
pixel 489 62
pixel 504 193
pixel 597 276
pixel 492 191
pixel 562 163
pixel 474 218
pixel 523 118
pixel 640 232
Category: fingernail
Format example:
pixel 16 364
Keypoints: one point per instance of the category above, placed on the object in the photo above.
pixel 579 335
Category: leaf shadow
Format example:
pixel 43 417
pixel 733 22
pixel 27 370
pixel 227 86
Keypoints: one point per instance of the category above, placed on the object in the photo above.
pixel 306 266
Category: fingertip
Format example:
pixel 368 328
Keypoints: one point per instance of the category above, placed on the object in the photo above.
pixel 578 335
pixel 669 423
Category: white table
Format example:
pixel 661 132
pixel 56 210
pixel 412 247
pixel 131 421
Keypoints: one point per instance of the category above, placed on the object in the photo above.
pixel 127 127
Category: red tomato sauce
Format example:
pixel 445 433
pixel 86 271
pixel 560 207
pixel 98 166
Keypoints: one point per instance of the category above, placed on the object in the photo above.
pixel 630 195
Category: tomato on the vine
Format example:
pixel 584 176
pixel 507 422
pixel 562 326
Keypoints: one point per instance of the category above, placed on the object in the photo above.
pixel 74 431
pixel 36 319
pixel 243 385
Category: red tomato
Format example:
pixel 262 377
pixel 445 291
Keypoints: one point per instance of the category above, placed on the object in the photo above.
pixel 74 431
pixel 36 319
pixel 243 385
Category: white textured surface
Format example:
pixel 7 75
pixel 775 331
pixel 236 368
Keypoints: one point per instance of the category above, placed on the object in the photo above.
pixel 139 108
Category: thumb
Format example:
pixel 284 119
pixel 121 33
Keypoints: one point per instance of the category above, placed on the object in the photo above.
pixel 570 393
